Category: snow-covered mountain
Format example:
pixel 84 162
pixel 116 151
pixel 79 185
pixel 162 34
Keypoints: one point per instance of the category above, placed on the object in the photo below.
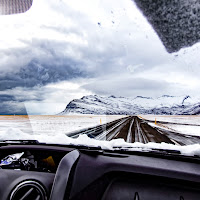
pixel 164 105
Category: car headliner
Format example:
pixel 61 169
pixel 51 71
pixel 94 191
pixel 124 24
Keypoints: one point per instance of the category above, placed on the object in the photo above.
pixel 175 21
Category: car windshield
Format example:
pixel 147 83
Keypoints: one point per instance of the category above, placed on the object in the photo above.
pixel 101 73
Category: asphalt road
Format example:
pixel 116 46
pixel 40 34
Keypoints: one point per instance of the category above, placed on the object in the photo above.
pixel 140 131
pixel 133 129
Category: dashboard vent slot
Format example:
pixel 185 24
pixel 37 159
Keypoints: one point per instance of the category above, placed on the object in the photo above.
pixel 28 190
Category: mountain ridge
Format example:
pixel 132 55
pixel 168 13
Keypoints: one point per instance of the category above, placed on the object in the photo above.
pixel 112 105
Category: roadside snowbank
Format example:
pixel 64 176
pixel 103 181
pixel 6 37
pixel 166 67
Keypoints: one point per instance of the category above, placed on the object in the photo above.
pixel 181 129
pixel 179 119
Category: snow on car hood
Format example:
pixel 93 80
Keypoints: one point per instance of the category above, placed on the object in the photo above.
pixel 84 140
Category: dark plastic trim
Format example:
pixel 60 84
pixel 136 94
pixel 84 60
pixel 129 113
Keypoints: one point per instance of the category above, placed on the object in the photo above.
pixel 62 175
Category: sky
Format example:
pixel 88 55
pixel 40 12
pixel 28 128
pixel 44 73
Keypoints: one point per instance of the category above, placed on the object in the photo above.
pixel 61 50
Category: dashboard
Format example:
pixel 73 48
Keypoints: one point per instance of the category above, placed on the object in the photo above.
pixel 58 172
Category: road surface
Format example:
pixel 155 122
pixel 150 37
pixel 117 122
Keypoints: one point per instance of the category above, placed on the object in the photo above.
pixel 133 129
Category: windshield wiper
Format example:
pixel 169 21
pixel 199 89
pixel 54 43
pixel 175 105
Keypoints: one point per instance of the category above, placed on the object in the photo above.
pixel 6 142
pixel 148 150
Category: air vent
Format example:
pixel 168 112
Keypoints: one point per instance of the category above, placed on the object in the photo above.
pixel 28 190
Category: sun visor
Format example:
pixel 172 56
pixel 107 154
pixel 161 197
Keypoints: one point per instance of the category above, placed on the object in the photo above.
pixel 175 21
pixel 9 7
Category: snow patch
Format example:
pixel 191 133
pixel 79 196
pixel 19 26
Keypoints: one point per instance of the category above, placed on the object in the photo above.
pixel 13 133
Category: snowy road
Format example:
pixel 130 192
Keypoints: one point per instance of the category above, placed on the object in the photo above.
pixel 134 129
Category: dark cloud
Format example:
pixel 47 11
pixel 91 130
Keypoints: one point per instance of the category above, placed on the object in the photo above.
pixel 50 67
pixel 5 97
pixel 12 100
pixel 12 107
pixel 38 73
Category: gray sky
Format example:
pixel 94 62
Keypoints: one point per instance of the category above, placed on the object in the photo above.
pixel 61 50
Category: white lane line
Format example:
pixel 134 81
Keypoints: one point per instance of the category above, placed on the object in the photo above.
pixel 168 137
pixel 175 142
pixel 144 138
pixel 116 131
pixel 117 134
pixel 102 136
pixel 129 136
pixel 139 134
pixel 136 132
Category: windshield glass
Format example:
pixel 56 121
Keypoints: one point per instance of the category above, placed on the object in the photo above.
pixel 97 69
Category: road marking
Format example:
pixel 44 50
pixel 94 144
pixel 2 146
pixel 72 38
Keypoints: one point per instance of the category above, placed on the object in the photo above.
pixel 117 134
pixel 175 142
pixel 144 137
pixel 103 135
pixel 138 132
pixel 129 136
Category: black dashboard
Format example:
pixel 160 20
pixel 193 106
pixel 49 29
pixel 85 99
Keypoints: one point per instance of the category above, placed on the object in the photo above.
pixel 59 172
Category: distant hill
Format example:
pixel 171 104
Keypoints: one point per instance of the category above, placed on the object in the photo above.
pixel 164 105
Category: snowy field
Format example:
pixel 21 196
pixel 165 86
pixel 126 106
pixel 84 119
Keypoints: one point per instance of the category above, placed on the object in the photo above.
pixel 51 124
pixel 184 124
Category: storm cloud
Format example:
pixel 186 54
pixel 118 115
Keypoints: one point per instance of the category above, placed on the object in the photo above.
pixel 49 67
